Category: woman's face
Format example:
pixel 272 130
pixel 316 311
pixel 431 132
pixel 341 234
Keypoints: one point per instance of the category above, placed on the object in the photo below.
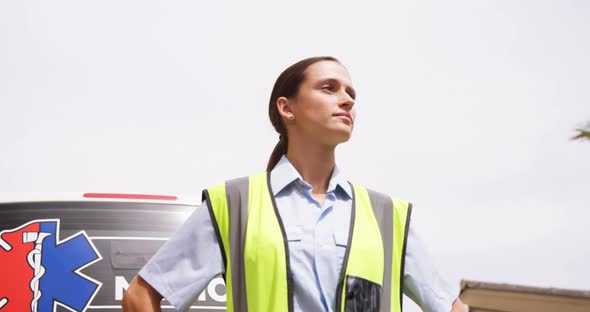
pixel 323 108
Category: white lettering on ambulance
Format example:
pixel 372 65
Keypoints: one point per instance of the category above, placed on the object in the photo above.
pixel 212 289
pixel 121 285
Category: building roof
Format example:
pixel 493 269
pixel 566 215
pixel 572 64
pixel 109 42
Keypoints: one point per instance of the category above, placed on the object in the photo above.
pixel 525 289
pixel 481 296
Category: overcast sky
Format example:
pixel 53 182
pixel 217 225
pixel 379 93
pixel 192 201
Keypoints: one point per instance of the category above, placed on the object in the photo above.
pixel 465 108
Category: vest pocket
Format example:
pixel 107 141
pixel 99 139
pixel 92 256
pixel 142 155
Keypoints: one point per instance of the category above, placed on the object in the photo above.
pixel 361 295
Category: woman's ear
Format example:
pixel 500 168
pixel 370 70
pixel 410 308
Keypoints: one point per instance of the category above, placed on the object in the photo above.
pixel 285 108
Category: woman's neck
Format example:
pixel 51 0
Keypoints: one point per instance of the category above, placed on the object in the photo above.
pixel 314 162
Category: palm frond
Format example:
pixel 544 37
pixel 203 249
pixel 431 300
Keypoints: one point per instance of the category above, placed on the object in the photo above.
pixel 583 134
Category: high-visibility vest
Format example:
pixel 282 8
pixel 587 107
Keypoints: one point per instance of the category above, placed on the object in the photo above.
pixel 256 256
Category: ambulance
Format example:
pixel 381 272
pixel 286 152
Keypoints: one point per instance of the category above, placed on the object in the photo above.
pixel 79 252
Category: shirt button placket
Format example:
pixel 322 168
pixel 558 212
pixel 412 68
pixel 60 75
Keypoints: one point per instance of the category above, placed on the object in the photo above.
pixel 322 241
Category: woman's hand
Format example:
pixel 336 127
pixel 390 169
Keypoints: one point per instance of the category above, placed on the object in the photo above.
pixel 140 296
pixel 458 306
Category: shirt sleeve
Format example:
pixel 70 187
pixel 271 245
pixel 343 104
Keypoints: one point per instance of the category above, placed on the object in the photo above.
pixel 423 282
pixel 185 264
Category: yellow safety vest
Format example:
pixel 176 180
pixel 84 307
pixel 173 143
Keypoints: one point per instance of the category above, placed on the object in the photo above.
pixel 256 256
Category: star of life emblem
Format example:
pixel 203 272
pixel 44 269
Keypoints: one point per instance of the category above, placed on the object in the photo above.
pixel 40 272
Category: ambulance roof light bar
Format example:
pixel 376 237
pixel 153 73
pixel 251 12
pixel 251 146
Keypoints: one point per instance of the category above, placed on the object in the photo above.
pixel 129 196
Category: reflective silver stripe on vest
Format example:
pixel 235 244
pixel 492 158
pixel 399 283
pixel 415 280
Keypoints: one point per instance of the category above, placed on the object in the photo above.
pixel 383 210
pixel 237 203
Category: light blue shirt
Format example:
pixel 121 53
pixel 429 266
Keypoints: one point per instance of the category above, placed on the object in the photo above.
pixel 317 238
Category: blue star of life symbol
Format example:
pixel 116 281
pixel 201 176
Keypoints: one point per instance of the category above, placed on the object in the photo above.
pixel 63 260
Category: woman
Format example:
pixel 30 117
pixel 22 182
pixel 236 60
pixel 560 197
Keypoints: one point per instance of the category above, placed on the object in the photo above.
pixel 298 237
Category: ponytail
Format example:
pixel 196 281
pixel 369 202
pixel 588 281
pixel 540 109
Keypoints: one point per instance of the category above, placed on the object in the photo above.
pixel 278 152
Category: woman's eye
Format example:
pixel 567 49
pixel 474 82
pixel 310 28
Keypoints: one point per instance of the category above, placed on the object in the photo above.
pixel 327 87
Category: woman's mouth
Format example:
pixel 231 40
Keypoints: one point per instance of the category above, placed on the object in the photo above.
pixel 344 116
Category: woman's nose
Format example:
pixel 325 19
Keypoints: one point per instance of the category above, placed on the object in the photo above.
pixel 346 102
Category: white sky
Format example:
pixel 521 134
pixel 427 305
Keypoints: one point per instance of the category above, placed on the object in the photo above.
pixel 464 108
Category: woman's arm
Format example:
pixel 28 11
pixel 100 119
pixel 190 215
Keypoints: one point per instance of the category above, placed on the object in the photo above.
pixel 458 306
pixel 423 282
pixel 181 268
pixel 140 296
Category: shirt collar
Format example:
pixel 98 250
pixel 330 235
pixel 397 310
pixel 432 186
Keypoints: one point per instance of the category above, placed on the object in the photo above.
pixel 283 174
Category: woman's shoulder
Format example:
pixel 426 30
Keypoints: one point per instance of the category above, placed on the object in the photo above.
pixel 379 196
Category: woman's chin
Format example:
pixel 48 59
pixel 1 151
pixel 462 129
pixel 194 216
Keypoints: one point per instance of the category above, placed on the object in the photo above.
pixel 342 136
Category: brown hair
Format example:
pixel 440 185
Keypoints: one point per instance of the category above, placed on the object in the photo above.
pixel 287 85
